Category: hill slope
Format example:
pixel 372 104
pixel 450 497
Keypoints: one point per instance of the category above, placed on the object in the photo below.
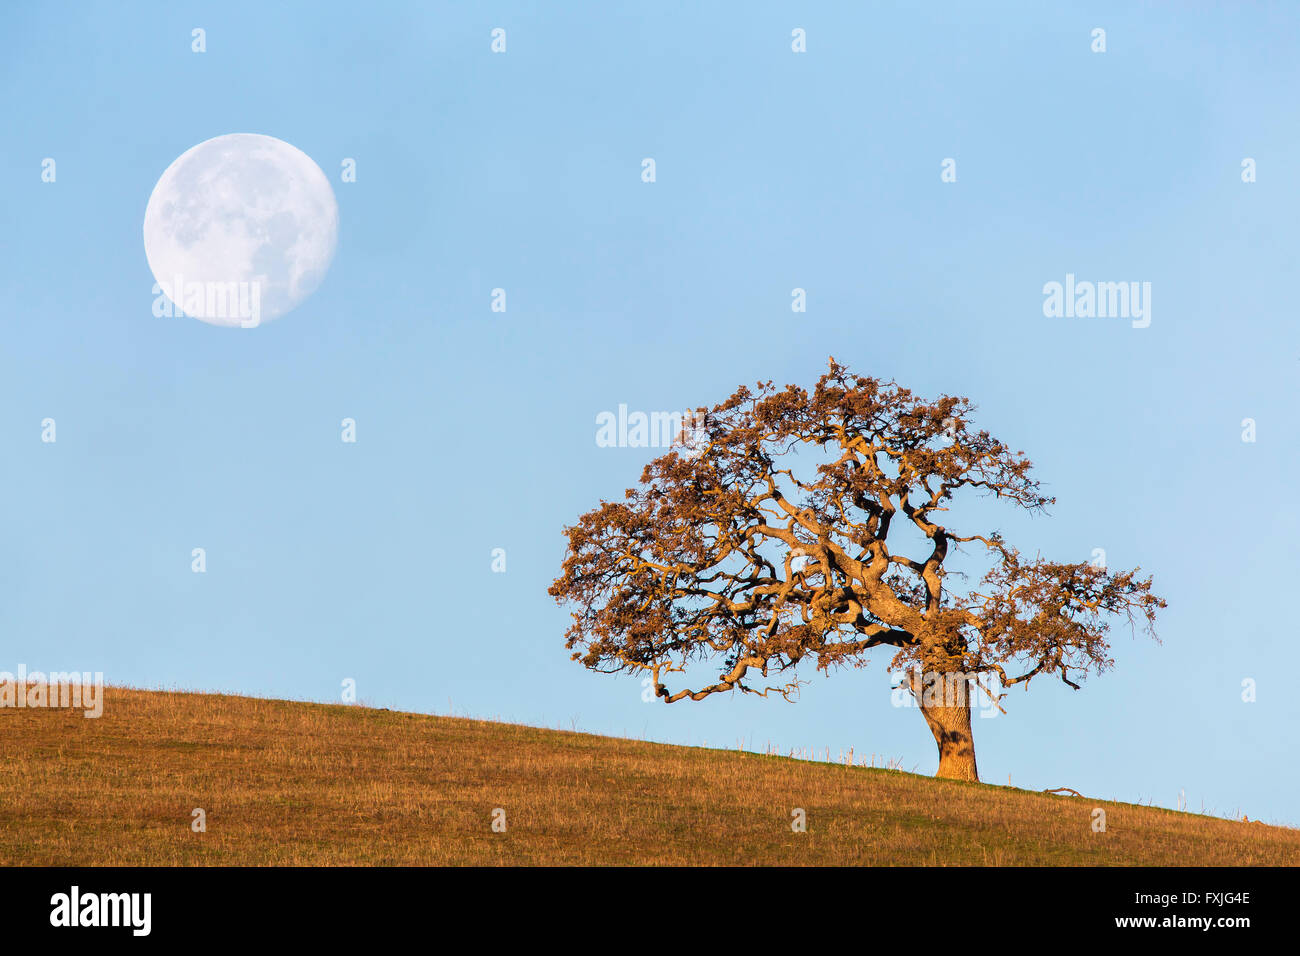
pixel 310 784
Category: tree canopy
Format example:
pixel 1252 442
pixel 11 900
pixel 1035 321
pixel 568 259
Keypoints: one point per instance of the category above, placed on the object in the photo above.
pixel 797 526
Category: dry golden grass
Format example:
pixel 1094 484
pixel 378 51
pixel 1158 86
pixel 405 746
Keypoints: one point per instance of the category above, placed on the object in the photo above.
pixel 311 784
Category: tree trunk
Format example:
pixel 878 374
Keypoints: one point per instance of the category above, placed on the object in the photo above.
pixel 945 705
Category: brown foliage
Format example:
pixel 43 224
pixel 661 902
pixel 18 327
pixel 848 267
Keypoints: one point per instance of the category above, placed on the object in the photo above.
pixel 767 541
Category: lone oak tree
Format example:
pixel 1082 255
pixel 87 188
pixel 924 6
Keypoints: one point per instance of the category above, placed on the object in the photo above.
pixel 766 540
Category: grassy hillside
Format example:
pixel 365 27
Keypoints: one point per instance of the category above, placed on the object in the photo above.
pixel 295 783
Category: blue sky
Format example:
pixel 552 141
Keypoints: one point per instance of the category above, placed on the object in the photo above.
pixel 475 429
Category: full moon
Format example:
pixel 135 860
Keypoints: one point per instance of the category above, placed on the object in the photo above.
pixel 245 224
